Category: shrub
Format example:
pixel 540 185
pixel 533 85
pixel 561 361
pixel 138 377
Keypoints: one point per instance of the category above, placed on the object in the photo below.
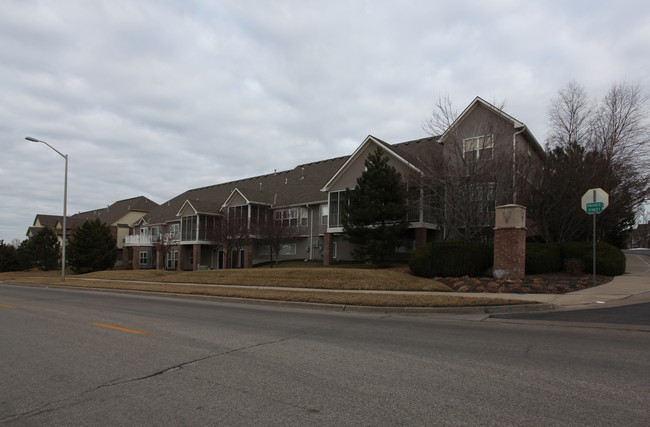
pixel 610 261
pixel 543 258
pixel 92 247
pixel 451 258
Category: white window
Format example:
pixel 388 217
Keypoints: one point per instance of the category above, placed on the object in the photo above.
pixel 478 148
pixel 288 249
pixel 324 212
pixel 483 196
pixel 334 250
pixel 143 258
pixel 174 230
pixel 172 260
pixel 292 217
pixel 338 202
pixel 155 231
pixel 144 232
pixel 304 217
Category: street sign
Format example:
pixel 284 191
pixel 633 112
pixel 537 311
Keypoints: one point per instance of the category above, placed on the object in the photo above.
pixel 594 208
pixel 594 201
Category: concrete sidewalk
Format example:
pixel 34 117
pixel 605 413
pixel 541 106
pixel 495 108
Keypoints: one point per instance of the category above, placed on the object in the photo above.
pixel 631 288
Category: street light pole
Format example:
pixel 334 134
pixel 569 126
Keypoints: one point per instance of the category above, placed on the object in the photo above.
pixel 65 203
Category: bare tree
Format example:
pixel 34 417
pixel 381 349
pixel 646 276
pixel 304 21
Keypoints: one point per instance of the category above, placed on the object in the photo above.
pixel 273 232
pixel 164 243
pixel 232 234
pixel 570 116
pixel 591 145
pixel 621 126
pixel 470 173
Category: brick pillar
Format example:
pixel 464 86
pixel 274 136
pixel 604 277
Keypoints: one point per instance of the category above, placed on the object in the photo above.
pixel 510 242
pixel 420 237
pixel 136 257
pixel 125 257
pixel 159 259
pixel 248 256
pixel 328 248
pixel 196 248
pixel 181 258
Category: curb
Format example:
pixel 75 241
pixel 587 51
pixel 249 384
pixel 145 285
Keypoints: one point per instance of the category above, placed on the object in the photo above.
pixel 480 309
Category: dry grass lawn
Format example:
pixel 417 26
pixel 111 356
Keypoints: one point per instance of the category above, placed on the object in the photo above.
pixel 345 286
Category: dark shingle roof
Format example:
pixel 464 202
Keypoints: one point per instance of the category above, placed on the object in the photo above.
pixel 115 211
pixel 292 187
pixel 298 186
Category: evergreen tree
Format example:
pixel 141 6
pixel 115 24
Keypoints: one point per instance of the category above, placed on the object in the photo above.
pixel 92 247
pixel 375 219
pixel 8 260
pixel 42 250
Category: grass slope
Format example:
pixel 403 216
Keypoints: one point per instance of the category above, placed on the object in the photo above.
pixel 345 286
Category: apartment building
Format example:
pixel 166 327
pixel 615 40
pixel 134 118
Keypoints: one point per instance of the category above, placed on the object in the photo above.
pixel 452 184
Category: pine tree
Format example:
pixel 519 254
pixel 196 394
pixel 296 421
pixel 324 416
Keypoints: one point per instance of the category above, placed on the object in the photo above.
pixel 375 219
pixel 92 247
pixel 42 250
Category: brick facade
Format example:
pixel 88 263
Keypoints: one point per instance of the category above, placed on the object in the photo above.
pixel 328 248
pixel 420 237
pixel 510 242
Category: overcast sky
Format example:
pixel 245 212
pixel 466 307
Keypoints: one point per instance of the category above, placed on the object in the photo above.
pixel 157 97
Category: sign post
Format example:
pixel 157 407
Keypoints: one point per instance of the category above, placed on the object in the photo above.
pixel 594 202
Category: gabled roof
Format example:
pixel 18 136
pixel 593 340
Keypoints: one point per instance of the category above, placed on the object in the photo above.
pixel 47 220
pixel 199 207
pixel 478 101
pixel 114 212
pixel 298 186
pixel 370 140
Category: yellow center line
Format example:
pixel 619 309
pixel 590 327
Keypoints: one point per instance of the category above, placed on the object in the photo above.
pixel 7 306
pixel 119 328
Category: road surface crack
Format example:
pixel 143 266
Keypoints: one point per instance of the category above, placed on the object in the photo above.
pixel 52 406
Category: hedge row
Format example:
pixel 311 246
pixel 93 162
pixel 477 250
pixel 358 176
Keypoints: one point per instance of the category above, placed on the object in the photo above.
pixel 460 258
pixel 451 258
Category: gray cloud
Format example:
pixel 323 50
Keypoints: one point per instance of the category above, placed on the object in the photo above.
pixel 155 98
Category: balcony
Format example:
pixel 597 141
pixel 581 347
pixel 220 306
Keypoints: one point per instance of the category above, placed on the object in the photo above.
pixel 139 240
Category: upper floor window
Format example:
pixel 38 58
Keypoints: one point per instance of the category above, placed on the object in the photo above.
pixel 479 147
pixel 337 203
pixel 189 228
pixel 292 217
pixel 238 214
pixel 483 196
pixel 324 212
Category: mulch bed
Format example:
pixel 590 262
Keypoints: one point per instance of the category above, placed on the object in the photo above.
pixel 534 284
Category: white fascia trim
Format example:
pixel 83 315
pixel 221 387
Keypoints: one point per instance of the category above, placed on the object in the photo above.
pixel 353 158
pixel 478 100
pixel 187 202
pixel 232 194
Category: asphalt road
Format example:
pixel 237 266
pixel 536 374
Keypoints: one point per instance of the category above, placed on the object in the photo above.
pixel 633 314
pixel 74 357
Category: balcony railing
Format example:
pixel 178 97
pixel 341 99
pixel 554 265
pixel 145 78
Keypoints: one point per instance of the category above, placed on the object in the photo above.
pixel 139 240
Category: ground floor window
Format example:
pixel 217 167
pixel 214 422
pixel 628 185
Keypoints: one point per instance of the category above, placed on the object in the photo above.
pixel 264 250
pixel 288 249
pixel 144 258
pixel 172 260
